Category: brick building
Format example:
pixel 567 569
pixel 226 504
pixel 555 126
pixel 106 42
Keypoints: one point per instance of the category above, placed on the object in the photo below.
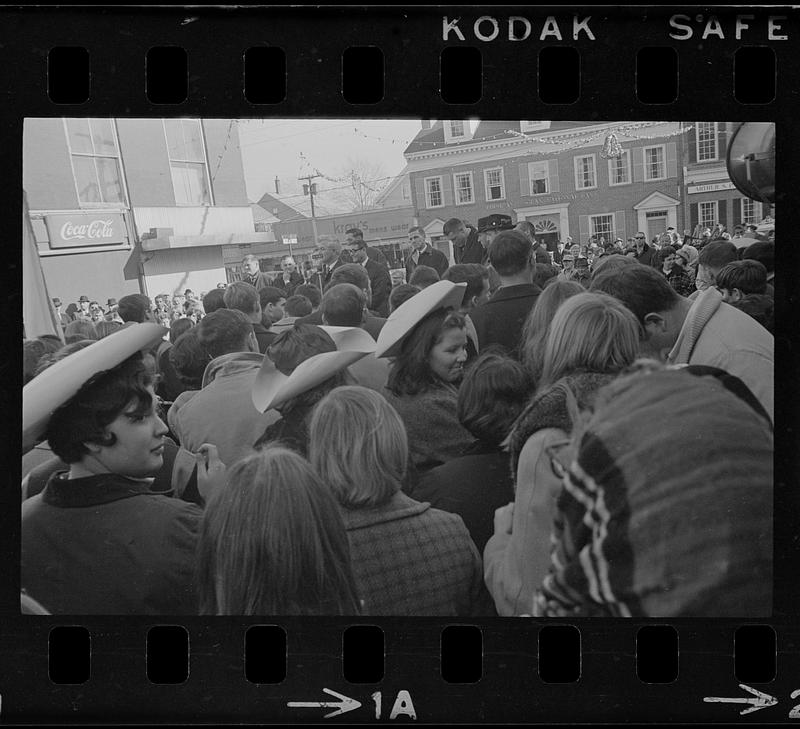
pixel 711 197
pixel 553 176
pixel 120 206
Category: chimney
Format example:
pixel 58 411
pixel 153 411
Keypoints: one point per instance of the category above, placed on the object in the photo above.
pixel 426 124
pixel 277 185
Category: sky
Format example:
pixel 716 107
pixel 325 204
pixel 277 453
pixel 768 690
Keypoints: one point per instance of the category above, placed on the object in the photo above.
pixel 272 147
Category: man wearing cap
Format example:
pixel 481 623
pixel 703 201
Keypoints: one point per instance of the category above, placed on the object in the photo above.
pixel 290 278
pixel 62 318
pixel 379 279
pixel 83 313
pixel 251 272
pixel 500 320
pixel 466 246
pixel 491 225
pixel 423 254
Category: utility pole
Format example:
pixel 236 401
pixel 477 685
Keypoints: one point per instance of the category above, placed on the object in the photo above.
pixel 310 189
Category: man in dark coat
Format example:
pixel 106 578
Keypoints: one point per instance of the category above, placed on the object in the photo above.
pixel 379 279
pixel 466 246
pixel 644 253
pixel 374 254
pixel 500 320
pixel 252 274
pixel 290 278
pixel 423 254
pixel 331 249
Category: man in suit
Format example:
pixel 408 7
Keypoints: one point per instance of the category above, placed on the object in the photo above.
pixel 290 278
pixel 379 278
pixel 331 250
pixel 466 246
pixel 62 318
pixel 422 253
pixel 251 273
pixel 644 253
pixel 500 320
pixel 374 254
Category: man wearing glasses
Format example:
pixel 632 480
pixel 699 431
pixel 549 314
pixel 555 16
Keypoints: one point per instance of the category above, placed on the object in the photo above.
pixel 379 278
pixel 644 253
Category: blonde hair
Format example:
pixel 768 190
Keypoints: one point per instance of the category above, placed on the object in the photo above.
pixel 272 542
pixel 591 332
pixel 358 446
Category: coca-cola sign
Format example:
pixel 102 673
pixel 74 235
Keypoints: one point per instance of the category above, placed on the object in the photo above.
pixel 86 229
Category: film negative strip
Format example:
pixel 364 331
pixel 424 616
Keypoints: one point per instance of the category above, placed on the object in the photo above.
pixel 622 90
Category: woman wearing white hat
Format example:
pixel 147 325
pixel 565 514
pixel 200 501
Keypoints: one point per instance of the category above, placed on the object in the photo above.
pixel 426 337
pixel 98 540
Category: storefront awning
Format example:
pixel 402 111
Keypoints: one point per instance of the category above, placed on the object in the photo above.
pixel 164 240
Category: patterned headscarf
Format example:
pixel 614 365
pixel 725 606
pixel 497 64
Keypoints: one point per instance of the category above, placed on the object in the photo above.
pixel 666 510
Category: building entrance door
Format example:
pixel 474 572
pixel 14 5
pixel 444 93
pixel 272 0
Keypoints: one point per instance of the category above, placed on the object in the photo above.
pixel 545 230
pixel 656 223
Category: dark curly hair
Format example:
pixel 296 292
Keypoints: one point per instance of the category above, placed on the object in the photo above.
pixel 411 372
pixel 86 415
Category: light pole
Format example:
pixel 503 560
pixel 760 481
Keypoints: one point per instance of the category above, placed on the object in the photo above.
pixel 309 189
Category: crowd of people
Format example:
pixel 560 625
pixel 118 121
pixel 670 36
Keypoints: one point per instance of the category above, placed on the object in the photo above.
pixel 526 430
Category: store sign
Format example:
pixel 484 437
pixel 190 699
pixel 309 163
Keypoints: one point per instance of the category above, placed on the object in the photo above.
pixel 713 187
pixel 79 230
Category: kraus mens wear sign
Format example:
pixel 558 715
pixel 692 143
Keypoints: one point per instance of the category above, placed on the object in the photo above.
pixel 86 229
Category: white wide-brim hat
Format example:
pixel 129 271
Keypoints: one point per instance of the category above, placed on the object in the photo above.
pixel 273 388
pixel 401 322
pixel 48 391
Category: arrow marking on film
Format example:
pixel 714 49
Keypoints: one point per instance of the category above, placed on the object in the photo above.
pixel 344 704
pixel 760 700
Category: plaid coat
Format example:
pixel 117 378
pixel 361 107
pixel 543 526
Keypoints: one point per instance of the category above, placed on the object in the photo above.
pixel 410 559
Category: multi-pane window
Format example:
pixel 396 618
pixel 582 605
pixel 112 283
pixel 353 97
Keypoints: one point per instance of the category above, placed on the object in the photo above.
pixel 495 184
pixel 539 173
pixel 95 161
pixel 602 225
pixel 187 161
pixel 654 163
pixel 462 183
pixel 707 147
pixel 751 211
pixel 619 169
pixel 707 214
pixel 457 129
pixel 433 192
pixel 585 174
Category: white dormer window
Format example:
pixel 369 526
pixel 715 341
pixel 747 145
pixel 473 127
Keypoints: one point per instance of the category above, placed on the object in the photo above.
pixel 533 126
pixel 458 130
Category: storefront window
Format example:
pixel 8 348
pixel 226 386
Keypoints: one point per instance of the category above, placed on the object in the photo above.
pixel 187 161
pixel 95 161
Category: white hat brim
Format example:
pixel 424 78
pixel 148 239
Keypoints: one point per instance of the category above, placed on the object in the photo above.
pixel 272 388
pixel 442 294
pixel 46 392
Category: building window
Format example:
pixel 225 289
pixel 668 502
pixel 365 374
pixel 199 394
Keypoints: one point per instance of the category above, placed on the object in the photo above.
pixel 457 129
pixel 619 169
pixel 708 214
pixel 95 161
pixel 433 192
pixel 585 174
pixel 533 126
pixel 494 181
pixel 654 163
pixel 602 225
pixel 187 161
pixel 462 182
pixel 539 174
pixel 707 146
pixel 751 211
